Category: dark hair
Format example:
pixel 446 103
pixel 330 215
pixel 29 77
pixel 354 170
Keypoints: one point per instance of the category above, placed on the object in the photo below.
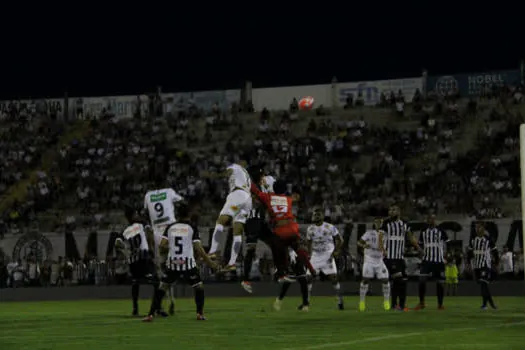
pixel 279 187
pixel 183 211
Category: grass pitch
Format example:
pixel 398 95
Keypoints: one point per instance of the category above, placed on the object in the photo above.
pixel 251 324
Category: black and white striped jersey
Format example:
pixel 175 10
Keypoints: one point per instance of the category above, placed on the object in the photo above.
pixel 257 212
pixel 181 255
pixel 135 239
pixel 433 241
pixel 481 248
pixel 395 232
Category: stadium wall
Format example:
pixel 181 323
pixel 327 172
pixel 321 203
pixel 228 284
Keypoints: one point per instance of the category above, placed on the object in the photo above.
pixel 216 290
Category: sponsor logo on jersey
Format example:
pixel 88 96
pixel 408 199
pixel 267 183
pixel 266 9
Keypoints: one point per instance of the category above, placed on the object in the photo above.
pixel 158 197
pixel 234 207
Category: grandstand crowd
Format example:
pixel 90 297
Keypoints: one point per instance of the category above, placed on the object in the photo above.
pixel 449 155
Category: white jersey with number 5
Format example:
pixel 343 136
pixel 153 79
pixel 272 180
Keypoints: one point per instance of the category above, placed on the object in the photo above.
pixel 239 179
pixel 159 204
pixel 181 255
pixel 135 239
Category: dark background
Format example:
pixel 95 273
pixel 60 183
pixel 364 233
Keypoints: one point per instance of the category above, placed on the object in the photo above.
pixel 93 49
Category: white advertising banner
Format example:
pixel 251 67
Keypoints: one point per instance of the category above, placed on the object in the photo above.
pixel 371 90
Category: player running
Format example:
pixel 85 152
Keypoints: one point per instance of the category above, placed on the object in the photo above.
pixel 324 244
pixel 140 245
pixel 285 229
pixel 433 242
pixel 256 228
pixel 181 248
pixel 373 265
pixel 236 209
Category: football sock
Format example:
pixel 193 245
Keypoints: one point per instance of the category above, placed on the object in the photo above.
pixel 158 295
pixel 440 291
pixel 284 290
pixel 484 293
pixel 135 287
pixel 386 291
pixel 310 287
pixel 337 288
pixel 199 300
pixel 215 238
pixel 422 292
pixel 302 256
pixel 248 261
pixel 236 249
pixel 402 293
pixel 395 292
pixel 363 289
pixel 303 284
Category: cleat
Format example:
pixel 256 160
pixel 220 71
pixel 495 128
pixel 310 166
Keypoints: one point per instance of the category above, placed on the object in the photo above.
pixel 304 308
pixel 162 313
pixel 419 307
pixel 484 307
pixel 286 279
pixel 441 307
pixel 341 306
pixel 172 309
pixel 229 268
pixel 148 318
pixel 397 308
pixel 362 306
pixel 386 305
pixel 277 305
pixel 301 307
pixel 247 286
pixel 406 309
pixel 201 317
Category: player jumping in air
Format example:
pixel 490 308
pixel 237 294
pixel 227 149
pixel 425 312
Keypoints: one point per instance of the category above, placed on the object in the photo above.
pixel 324 244
pixel 433 242
pixel 140 245
pixel 373 265
pixel 181 248
pixel 256 228
pixel 481 248
pixel 285 229
pixel 236 209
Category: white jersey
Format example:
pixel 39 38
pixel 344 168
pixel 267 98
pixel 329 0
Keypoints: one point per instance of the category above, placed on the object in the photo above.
pixel 373 254
pixel 322 237
pixel 181 255
pixel 136 242
pixel 159 204
pixel 239 179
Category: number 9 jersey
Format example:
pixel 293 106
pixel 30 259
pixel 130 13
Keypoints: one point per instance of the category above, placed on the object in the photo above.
pixel 159 204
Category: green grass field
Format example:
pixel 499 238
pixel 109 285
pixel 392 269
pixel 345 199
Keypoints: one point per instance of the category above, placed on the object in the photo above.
pixel 251 323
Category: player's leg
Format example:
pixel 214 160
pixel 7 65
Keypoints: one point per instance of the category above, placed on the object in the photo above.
pixel 330 270
pixel 439 276
pixel 223 220
pixel 381 272
pixel 194 279
pixel 367 274
pixel 242 206
pixel 135 287
pixel 249 256
pixel 403 284
pixel 422 287
pixel 483 276
pixel 393 286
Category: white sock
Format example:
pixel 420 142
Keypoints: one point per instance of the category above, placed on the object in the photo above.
pixel 337 288
pixel 310 287
pixel 215 238
pixel 386 291
pixel 363 289
pixel 236 249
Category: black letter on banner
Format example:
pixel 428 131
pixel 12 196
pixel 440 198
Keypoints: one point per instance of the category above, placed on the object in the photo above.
pixel 450 227
pixel 515 229
pixel 347 234
pixel 111 242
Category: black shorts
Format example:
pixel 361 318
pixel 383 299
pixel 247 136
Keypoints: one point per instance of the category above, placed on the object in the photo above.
pixel 482 275
pixel 143 271
pixel 396 267
pixel 433 270
pixel 257 229
pixel 191 277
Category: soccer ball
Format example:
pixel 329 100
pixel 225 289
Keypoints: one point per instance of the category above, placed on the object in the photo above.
pixel 306 103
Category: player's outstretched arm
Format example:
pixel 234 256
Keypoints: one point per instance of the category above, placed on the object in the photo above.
pixel 199 251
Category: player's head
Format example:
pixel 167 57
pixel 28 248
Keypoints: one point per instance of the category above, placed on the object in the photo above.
pixel 267 184
pixel 279 187
pixel 243 163
pixel 480 228
pixel 256 173
pixel 431 220
pixel 318 216
pixel 132 214
pixel 394 212
pixel 378 222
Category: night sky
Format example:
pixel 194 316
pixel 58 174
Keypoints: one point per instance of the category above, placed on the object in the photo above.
pixel 111 51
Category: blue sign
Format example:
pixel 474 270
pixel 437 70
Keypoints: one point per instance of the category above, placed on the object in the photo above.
pixel 471 84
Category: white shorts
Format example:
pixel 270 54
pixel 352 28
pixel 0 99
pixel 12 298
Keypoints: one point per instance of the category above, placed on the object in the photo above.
pixel 238 206
pixel 324 264
pixel 375 270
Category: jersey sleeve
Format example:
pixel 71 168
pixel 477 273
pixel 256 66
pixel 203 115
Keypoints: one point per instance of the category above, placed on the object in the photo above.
pixel 335 231
pixel 175 197
pixel 364 237
pixel 196 236
pixel 263 197
pixel 309 233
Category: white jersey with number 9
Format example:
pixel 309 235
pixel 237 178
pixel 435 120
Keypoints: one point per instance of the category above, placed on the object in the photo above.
pixel 160 206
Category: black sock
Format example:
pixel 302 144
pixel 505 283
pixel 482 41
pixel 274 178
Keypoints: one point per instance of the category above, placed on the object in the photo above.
pixel 484 293
pixel 158 295
pixel 303 284
pixel 488 295
pixel 402 293
pixel 284 290
pixel 422 292
pixel 199 300
pixel 135 287
pixel 248 261
pixel 440 291
pixel 394 293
